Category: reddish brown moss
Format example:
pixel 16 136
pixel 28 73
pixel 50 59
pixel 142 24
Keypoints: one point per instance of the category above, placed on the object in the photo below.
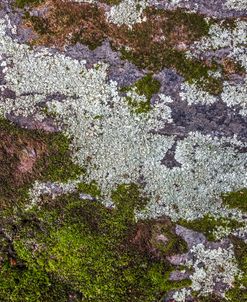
pixel 19 153
pixel 28 155
pixel 87 23
pixel 68 23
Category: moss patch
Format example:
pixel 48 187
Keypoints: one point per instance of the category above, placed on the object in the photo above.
pixel 52 153
pixel 20 284
pixel 239 292
pixel 39 24
pixel 166 240
pixel 146 86
pixel 69 23
pixel 23 3
pixel 89 188
pixel 89 250
pixel 193 70
pixel 211 298
pixel 236 199
pixel 58 166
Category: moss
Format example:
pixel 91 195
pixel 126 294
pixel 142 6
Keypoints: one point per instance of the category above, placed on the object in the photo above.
pixel 59 165
pixel 208 224
pixel 196 25
pixel 174 245
pixel 240 250
pixel 129 196
pixel 146 86
pixel 39 24
pixel 91 189
pixel 211 298
pixel 88 249
pixel 193 70
pixel 19 284
pixel 111 2
pixel 179 284
pixel 239 291
pixel 13 140
pixel 92 263
pixel 23 3
pixel 69 22
pixel 96 281
pixel 56 164
pixel 80 37
pixel 236 199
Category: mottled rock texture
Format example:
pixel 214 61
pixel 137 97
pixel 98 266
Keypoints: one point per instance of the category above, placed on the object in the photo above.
pixel 123 151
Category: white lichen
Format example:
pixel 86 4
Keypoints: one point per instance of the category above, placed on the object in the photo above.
pixel 181 295
pixel 211 267
pixel 236 4
pixel 235 95
pixel 127 12
pixel 208 167
pixel 192 94
pixel 222 37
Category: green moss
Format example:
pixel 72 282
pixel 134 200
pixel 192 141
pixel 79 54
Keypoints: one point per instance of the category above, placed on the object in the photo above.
pixel 59 165
pixel 102 279
pixel 146 86
pixel 211 298
pixel 172 285
pixel 197 26
pixel 91 262
pixel 111 2
pixel 88 249
pixel 239 291
pixel 91 189
pixel 174 245
pixel 236 199
pixel 208 224
pixel 129 196
pixel 20 284
pixel 23 3
pixel 193 70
